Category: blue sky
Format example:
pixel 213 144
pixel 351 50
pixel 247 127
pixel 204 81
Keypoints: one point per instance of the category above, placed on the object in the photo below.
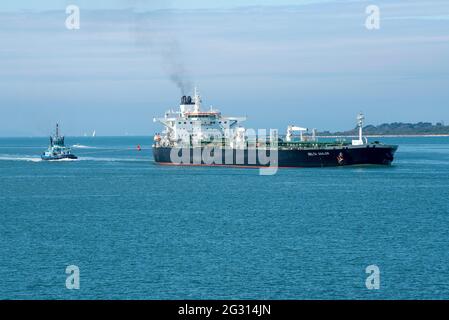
pixel 311 63
pixel 43 5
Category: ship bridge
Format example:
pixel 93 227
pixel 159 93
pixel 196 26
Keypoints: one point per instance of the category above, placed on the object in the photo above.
pixel 191 123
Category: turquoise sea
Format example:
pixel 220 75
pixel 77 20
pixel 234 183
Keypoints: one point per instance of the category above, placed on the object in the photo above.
pixel 137 230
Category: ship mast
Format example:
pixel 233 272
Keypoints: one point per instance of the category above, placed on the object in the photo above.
pixel 197 99
pixel 360 119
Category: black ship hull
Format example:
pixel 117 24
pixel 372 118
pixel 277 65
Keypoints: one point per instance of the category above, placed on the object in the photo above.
pixel 370 154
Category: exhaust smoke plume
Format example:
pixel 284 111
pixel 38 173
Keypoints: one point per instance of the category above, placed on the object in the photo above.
pixel 152 31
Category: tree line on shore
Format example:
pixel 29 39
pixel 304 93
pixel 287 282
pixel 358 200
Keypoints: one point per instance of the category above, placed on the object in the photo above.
pixel 396 128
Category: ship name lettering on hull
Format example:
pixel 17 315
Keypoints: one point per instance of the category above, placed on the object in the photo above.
pixel 315 154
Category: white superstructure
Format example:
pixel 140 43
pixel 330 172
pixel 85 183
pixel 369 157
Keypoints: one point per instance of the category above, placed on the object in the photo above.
pixel 191 125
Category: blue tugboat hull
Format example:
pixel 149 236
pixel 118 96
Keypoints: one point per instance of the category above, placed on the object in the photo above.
pixel 56 158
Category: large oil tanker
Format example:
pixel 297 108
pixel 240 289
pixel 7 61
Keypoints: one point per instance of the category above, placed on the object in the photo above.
pixel 193 136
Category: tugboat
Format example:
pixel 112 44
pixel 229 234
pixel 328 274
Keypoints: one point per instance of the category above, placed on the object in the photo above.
pixel 206 138
pixel 57 150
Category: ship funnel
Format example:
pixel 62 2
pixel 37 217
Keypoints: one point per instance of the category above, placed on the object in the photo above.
pixel 186 100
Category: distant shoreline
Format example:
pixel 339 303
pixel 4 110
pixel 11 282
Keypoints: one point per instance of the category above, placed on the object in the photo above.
pixel 318 136
pixel 387 136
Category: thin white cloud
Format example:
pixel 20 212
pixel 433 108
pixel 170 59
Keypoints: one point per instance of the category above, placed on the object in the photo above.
pixel 429 18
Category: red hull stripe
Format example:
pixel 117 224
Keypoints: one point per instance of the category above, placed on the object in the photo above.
pixel 218 165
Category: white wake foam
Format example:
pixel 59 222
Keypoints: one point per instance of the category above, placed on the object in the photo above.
pixel 64 160
pixel 102 159
pixel 29 158
pixel 38 159
pixel 13 158
pixel 80 146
